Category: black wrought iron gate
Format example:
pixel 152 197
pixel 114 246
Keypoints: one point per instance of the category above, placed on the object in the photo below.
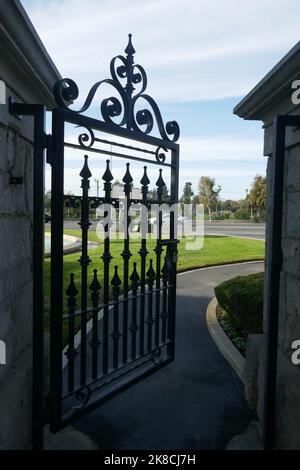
pixel 111 325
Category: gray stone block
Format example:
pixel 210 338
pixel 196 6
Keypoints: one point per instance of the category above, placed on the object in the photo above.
pixel 291 256
pixel 15 404
pixel 288 409
pixel 16 157
pixel 291 312
pixel 16 400
pixel 255 343
pixel 15 246
pixel 293 215
pixel 293 169
pixel 16 309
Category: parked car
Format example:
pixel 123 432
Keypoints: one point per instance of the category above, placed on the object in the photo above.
pixel 166 219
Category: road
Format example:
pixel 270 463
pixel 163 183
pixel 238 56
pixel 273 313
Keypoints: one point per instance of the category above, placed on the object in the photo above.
pixel 238 229
pixel 196 402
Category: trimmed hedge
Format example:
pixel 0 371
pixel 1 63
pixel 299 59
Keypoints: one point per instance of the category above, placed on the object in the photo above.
pixel 242 300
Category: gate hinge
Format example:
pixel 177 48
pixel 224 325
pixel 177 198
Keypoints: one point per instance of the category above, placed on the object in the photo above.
pixel 48 146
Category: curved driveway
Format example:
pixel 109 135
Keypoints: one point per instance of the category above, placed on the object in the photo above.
pixel 197 402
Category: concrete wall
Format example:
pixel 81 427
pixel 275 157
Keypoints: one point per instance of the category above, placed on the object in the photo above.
pixel 28 74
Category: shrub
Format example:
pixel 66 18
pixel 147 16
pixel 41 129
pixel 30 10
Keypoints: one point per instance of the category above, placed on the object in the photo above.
pixel 242 300
pixel 242 214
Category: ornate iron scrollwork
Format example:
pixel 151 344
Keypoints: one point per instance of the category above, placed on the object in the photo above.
pixel 66 92
pixel 87 139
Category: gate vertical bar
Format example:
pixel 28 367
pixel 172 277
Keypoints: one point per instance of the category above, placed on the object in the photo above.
pixel 38 281
pixel 133 326
pixel 151 277
pixel 84 261
pixel 71 353
pixel 272 308
pixel 126 254
pixel 116 282
pixel 158 250
pixel 56 296
pixel 173 236
pixel 164 314
pixel 107 177
pixel 95 343
pixel 143 253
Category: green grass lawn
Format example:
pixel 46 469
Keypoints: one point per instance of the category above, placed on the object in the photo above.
pixel 216 250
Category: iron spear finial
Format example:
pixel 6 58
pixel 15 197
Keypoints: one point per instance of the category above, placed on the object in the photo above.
pixel 130 50
pixel 85 172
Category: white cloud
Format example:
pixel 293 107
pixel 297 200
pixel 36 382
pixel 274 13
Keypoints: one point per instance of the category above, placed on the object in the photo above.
pixel 191 50
pixel 217 149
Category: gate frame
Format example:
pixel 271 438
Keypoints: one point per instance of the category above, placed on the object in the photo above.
pixel 60 117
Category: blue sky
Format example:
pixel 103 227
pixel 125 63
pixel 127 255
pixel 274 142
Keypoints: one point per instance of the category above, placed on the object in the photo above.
pixel 201 58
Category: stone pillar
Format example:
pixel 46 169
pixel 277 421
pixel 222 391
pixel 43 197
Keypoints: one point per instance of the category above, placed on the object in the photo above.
pixel 27 74
pixel 288 375
pixel 16 283
pixel 269 98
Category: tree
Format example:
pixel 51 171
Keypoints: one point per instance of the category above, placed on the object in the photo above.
pixel 165 194
pixel 258 195
pixel 152 194
pixel 195 200
pixel 187 194
pixel 231 205
pixel 208 193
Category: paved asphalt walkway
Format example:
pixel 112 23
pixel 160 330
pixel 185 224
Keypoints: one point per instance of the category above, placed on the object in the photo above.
pixel 197 402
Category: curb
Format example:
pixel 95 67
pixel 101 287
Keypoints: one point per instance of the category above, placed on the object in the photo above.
pixel 225 346
pixel 220 265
